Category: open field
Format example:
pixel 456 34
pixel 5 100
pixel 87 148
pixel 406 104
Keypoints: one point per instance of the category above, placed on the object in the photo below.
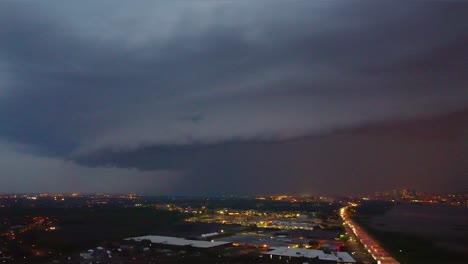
pixel 420 233
pixel 448 224
pixel 82 228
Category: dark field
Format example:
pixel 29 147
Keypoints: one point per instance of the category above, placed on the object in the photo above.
pixel 448 224
pixel 420 233
pixel 83 228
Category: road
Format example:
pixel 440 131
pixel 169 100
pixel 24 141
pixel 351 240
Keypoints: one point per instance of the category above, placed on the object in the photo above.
pixel 357 250
pixel 377 252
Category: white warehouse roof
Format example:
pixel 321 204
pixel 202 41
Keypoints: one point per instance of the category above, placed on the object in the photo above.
pixel 177 241
pixel 339 257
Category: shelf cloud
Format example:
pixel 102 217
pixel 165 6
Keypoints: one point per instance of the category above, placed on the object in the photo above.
pixel 196 88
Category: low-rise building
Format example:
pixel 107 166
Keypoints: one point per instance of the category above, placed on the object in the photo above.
pixel 309 255
pixel 178 241
pixel 98 255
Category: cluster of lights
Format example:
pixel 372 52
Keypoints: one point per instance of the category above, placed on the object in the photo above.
pixel 378 254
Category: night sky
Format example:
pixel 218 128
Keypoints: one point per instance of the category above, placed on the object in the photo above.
pixel 233 97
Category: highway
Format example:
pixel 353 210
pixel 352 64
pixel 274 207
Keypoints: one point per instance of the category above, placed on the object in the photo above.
pixel 376 251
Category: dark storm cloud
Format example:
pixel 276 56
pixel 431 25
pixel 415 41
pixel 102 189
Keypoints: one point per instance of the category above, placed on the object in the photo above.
pixel 413 154
pixel 185 77
pixel 26 173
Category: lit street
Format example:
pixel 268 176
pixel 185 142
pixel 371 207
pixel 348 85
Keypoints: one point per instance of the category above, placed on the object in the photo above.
pixel 372 247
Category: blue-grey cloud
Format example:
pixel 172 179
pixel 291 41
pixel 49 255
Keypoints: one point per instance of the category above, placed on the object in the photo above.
pixel 77 79
pixel 25 173
pixel 375 157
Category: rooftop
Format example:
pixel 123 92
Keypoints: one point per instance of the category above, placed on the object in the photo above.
pixel 178 241
pixel 310 253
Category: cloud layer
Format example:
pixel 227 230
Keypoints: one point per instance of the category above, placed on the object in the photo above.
pixel 25 173
pixel 82 79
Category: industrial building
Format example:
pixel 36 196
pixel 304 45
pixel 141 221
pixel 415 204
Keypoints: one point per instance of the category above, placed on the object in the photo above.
pixel 308 255
pixel 177 241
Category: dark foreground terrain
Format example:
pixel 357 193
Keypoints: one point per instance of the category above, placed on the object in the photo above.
pixel 415 233
pixel 71 230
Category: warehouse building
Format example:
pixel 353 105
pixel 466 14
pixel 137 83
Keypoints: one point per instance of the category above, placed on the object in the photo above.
pixel 177 241
pixel 308 255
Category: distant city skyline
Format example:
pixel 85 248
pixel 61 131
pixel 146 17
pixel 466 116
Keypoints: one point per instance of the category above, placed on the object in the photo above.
pixel 233 97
